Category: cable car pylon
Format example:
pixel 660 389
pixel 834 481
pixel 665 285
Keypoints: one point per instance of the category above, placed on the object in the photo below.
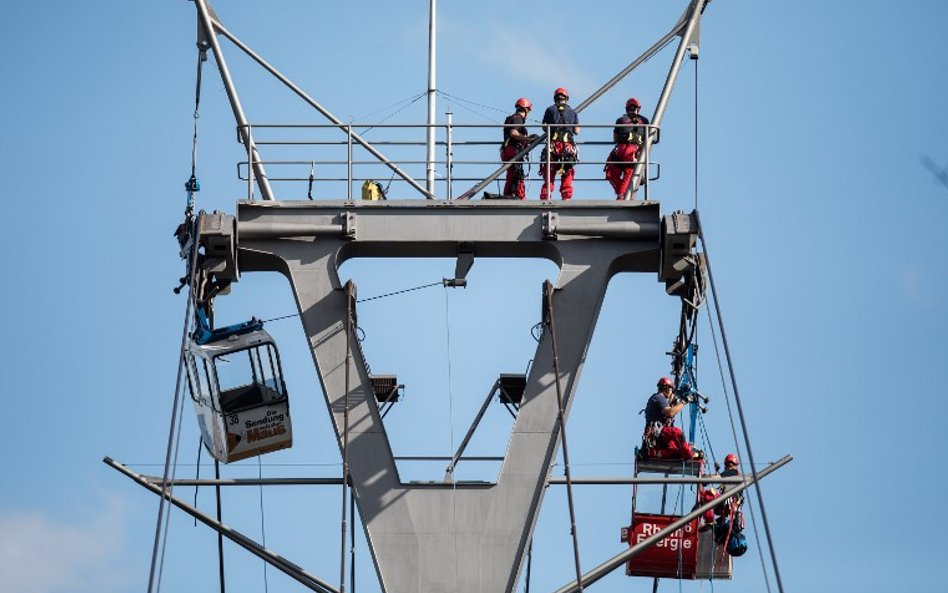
pixel 247 414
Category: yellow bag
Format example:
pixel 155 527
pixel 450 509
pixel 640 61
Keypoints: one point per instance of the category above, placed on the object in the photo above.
pixel 372 190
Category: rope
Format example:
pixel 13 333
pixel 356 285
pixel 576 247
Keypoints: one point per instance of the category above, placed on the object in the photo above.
pixel 740 409
pixel 397 292
pixel 394 113
pixel 166 487
pixel 220 535
pixel 352 544
pixel 737 446
pixel 373 298
pixel 164 541
pixel 263 525
pixel 408 100
pixel 548 296
pixel 696 134
pixel 460 100
pixel 345 440
pixel 197 474
pixel 454 483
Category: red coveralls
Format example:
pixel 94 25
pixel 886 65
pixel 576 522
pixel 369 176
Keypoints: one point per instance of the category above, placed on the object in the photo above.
pixel 672 445
pixel 513 186
pixel 562 151
pixel 562 148
pixel 620 165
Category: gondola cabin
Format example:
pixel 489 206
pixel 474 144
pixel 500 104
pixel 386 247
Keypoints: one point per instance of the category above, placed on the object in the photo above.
pixel 237 386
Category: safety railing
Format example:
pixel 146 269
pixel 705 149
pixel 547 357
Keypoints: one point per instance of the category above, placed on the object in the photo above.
pixel 310 161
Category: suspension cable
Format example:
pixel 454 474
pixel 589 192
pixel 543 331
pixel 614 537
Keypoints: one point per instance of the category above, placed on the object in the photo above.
pixel 263 525
pixel 393 114
pixel 372 298
pixel 450 379
pixel 548 297
pixel 352 538
pixel 197 474
pixel 459 100
pixel 740 409
pixel 350 296
pixel 220 519
pixel 696 132
pixel 737 446
pixel 174 469
pixel 166 486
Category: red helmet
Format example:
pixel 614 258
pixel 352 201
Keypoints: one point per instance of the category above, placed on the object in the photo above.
pixel 632 102
pixel 731 458
pixel 523 103
pixel 666 381
pixel 560 91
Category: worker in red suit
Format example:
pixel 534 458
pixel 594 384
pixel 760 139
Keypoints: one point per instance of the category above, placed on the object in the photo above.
pixel 709 494
pixel 516 139
pixel 662 439
pixel 563 127
pixel 620 166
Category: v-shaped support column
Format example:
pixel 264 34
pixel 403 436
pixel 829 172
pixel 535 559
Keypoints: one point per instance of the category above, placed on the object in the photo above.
pixel 453 537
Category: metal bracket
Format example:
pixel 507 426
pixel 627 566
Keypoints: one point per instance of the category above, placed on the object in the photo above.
pixel 550 222
pixel 348 220
pixel 465 261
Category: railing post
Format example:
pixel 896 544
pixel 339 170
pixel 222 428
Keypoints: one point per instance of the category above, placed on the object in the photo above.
pixel 349 161
pixel 648 150
pixel 448 150
pixel 547 186
pixel 249 145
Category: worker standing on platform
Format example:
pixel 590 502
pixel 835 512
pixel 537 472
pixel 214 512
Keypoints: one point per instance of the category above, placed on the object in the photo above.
pixel 662 439
pixel 620 165
pixel 516 139
pixel 563 127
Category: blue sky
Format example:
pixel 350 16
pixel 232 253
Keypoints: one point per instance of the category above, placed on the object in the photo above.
pixel 821 221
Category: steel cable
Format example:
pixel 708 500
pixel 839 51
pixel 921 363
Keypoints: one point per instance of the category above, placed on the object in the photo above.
pixel 548 297
pixel 166 487
pixel 740 409
pixel 737 447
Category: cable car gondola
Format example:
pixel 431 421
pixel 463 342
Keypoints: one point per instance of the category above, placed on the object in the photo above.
pixel 239 394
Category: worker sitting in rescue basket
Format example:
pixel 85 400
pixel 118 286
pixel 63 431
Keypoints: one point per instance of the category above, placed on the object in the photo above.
pixel 563 125
pixel 734 503
pixel 728 530
pixel 662 439
pixel 709 494
pixel 620 165
pixel 516 139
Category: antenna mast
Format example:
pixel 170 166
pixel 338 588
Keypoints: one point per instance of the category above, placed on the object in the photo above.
pixel 432 36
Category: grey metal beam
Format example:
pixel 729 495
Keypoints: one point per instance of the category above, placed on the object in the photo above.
pixel 418 533
pixel 654 480
pixel 694 16
pixel 243 128
pixel 662 105
pixel 449 472
pixel 619 559
pixel 541 139
pixel 432 95
pixel 292 570
pixel 219 27
pixel 246 481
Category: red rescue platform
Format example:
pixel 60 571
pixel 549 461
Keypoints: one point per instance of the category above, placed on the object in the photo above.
pixel 684 554
pixel 674 557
